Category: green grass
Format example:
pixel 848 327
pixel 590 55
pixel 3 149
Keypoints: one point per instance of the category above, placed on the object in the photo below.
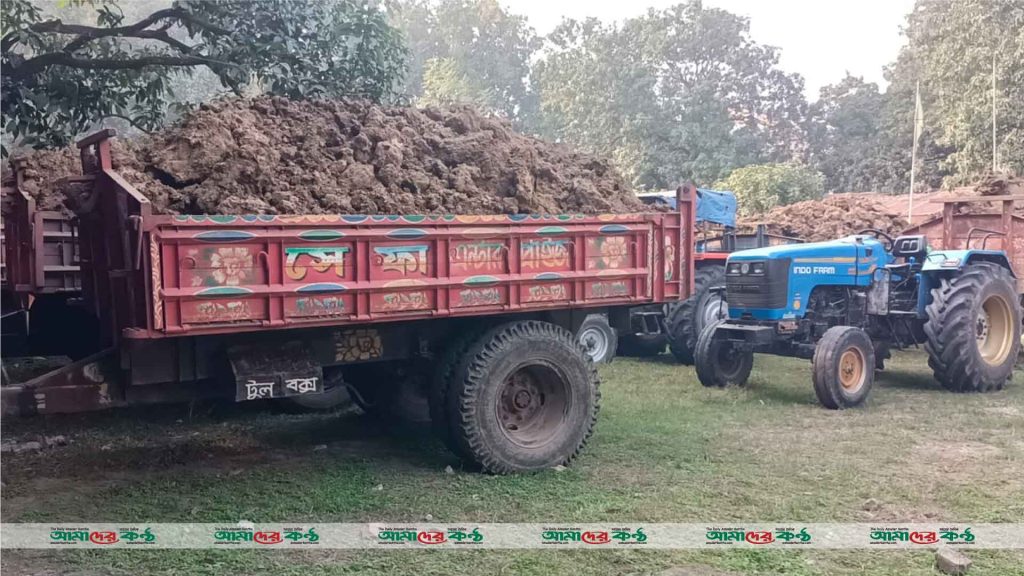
pixel 665 450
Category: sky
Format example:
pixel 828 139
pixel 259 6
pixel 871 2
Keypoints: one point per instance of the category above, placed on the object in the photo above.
pixel 821 40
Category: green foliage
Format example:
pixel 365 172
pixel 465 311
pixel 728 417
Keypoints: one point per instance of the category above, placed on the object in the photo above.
pixel 951 47
pixel 445 84
pixel 62 79
pixel 484 54
pixel 681 94
pixel 759 188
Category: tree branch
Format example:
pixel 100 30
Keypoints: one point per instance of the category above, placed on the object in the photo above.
pixel 130 121
pixel 93 32
pixel 38 63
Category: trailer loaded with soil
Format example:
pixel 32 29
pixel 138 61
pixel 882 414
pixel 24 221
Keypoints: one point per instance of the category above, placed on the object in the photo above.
pixel 479 309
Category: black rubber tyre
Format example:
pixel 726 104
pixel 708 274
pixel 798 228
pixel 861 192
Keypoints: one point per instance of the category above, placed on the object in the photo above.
pixel 718 363
pixel 687 319
pixel 598 338
pixel 642 345
pixel 525 398
pixel 441 383
pixel 334 396
pixel 973 329
pixel 843 367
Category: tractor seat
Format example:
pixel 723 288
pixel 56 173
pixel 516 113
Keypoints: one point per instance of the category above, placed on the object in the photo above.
pixel 910 247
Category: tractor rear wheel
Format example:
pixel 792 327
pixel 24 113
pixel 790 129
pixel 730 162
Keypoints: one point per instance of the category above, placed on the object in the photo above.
pixel 843 367
pixel 719 363
pixel 973 329
pixel 525 397
pixel 686 320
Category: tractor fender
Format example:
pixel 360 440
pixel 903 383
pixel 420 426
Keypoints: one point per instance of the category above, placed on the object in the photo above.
pixel 956 260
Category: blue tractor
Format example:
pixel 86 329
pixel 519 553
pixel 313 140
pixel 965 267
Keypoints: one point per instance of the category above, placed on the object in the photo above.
pixel 845 303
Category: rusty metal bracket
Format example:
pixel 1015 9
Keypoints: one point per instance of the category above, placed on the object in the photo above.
pixel 92 383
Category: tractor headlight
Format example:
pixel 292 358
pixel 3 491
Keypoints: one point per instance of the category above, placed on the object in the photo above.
pixel 733 269
pixel 758 268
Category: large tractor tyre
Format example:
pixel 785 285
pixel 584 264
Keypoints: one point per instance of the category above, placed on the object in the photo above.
pixel 719 363
pixel 843 367
pixel 335 396
pixel 442 381
pixel 598 338
pixel 641 345
pixel 973 329
pixel 524 398
pixel 686 320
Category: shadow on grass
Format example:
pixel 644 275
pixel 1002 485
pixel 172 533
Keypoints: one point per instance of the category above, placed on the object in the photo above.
pixel 898 379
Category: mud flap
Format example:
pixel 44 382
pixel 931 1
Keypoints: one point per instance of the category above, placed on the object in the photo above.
pixel 265 371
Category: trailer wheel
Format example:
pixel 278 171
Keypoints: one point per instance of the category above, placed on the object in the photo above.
pixel 524 398
pixel 719 363
pixel 598 338
pixel 686 320
pixel 641 345
pixel 442 381
pixel 973 329
pixel 843 367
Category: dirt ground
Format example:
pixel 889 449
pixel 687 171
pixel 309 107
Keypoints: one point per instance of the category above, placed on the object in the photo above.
pixel 665 450
pixel 271 155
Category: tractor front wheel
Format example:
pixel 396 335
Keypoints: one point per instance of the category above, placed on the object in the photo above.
pixel 718 362
pixel 973 329
pixel 843 367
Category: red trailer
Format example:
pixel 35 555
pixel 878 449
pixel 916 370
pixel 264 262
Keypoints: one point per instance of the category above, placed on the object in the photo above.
pixel 963 224
pixel 41 277
pixel 479 311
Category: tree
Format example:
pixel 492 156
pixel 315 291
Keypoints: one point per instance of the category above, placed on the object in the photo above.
pixel 444 84
pixel 61 79
pixel 951 46
pixel 477 41
pixel 682 93
pixel 759 188
pixel 860 139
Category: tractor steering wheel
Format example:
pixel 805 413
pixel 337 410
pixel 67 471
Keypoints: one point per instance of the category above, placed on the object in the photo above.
pixel 881 236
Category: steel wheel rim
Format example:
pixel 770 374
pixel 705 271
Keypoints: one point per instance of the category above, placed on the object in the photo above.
pixel 852 370
pixel 532 404
pixel 715 308
pixel 595 341
pixel 993 330
pixel 728 360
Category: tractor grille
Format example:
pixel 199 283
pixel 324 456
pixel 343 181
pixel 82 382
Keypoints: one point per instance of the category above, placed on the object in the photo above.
pixel 764 291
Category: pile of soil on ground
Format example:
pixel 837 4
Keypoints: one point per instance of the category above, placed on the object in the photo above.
pixel 827 219
pixel 271 155
pixel 999 185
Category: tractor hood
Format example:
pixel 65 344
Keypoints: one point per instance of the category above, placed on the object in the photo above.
pixel 842 248
pixel 776 282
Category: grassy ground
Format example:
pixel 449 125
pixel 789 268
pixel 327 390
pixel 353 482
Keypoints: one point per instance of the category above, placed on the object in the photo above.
pixel 665 450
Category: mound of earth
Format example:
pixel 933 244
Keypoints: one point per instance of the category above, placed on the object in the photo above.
pixel 271 155
pixel 829 218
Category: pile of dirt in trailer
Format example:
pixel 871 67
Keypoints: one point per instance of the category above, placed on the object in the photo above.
pixel 277 156
pixel 826 219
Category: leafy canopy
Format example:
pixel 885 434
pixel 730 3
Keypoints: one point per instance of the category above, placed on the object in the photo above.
pixel 61 79
pixel 677 94
pixel 761 187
